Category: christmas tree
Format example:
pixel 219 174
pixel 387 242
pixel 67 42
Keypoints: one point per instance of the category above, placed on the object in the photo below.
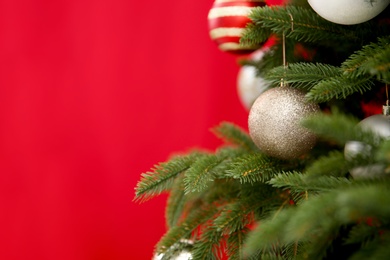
pixel 286 197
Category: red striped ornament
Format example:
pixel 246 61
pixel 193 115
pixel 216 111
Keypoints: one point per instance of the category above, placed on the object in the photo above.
pixel 227 21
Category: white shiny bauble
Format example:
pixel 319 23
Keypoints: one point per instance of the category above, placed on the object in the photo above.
pixel 348 12
pixel 250 86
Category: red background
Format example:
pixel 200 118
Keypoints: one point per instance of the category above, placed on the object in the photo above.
pixel 92 94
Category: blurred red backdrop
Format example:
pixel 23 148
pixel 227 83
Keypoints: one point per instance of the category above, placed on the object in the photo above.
pixel 92 94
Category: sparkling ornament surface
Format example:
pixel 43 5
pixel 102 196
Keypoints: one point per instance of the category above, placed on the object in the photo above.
pixel 227 20
pixel 274 123
pixel 348 12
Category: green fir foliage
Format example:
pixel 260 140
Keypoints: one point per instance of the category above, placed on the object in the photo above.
pixel 239 203
pixel 303 74
pixel 175 203
pixel 253 167
pixel 233 134
pixel 161 177
pixel 371 60
pixel 300 24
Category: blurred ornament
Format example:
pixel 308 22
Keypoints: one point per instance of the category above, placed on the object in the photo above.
pixel 359 150
pixel 227 20
pixel 249 84
pixel 184 255
pixel 379 125
pixel 179 251
pixel 348 12
pixel 274 123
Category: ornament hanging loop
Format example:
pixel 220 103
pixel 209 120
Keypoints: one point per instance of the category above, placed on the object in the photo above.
pixel 386 107
pixel 292 21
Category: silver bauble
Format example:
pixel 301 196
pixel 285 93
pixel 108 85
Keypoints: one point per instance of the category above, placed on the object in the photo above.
pixel 274 123
pixel 380 125
pixel 348 12
pixel 185 255
pixel 181 251
pixel 250 85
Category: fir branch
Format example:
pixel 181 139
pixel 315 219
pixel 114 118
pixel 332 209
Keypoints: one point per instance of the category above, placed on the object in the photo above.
pixel 195 218
pixel 209 167
pixel 372 60
pixel 223 190
pixel 199 174
pixel 235 217
pixel 298 182
pixel 352 206
pixel 235 243
pixel 378 250
pixel 321 243
pixel 362 234
pixel 252 168
pixel 294 251
pixel 342 128
pixel 254 35
pixel 300 24
pixel 336 208
pixel 302 74
pixel 338 88
pixel 268 234
pixel 233 134
pixel 252 200
pixel 321 214
pixel 333 164
pixel 336 126
pixel 207 246
pixel 175 203
pixel 160 179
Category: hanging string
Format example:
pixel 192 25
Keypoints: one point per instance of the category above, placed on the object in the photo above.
pixel 282 83
pixel 284 51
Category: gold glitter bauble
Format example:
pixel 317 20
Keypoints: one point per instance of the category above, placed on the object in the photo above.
pixel 274 123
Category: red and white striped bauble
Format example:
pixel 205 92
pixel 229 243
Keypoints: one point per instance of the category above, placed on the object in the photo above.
pixel 227 20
